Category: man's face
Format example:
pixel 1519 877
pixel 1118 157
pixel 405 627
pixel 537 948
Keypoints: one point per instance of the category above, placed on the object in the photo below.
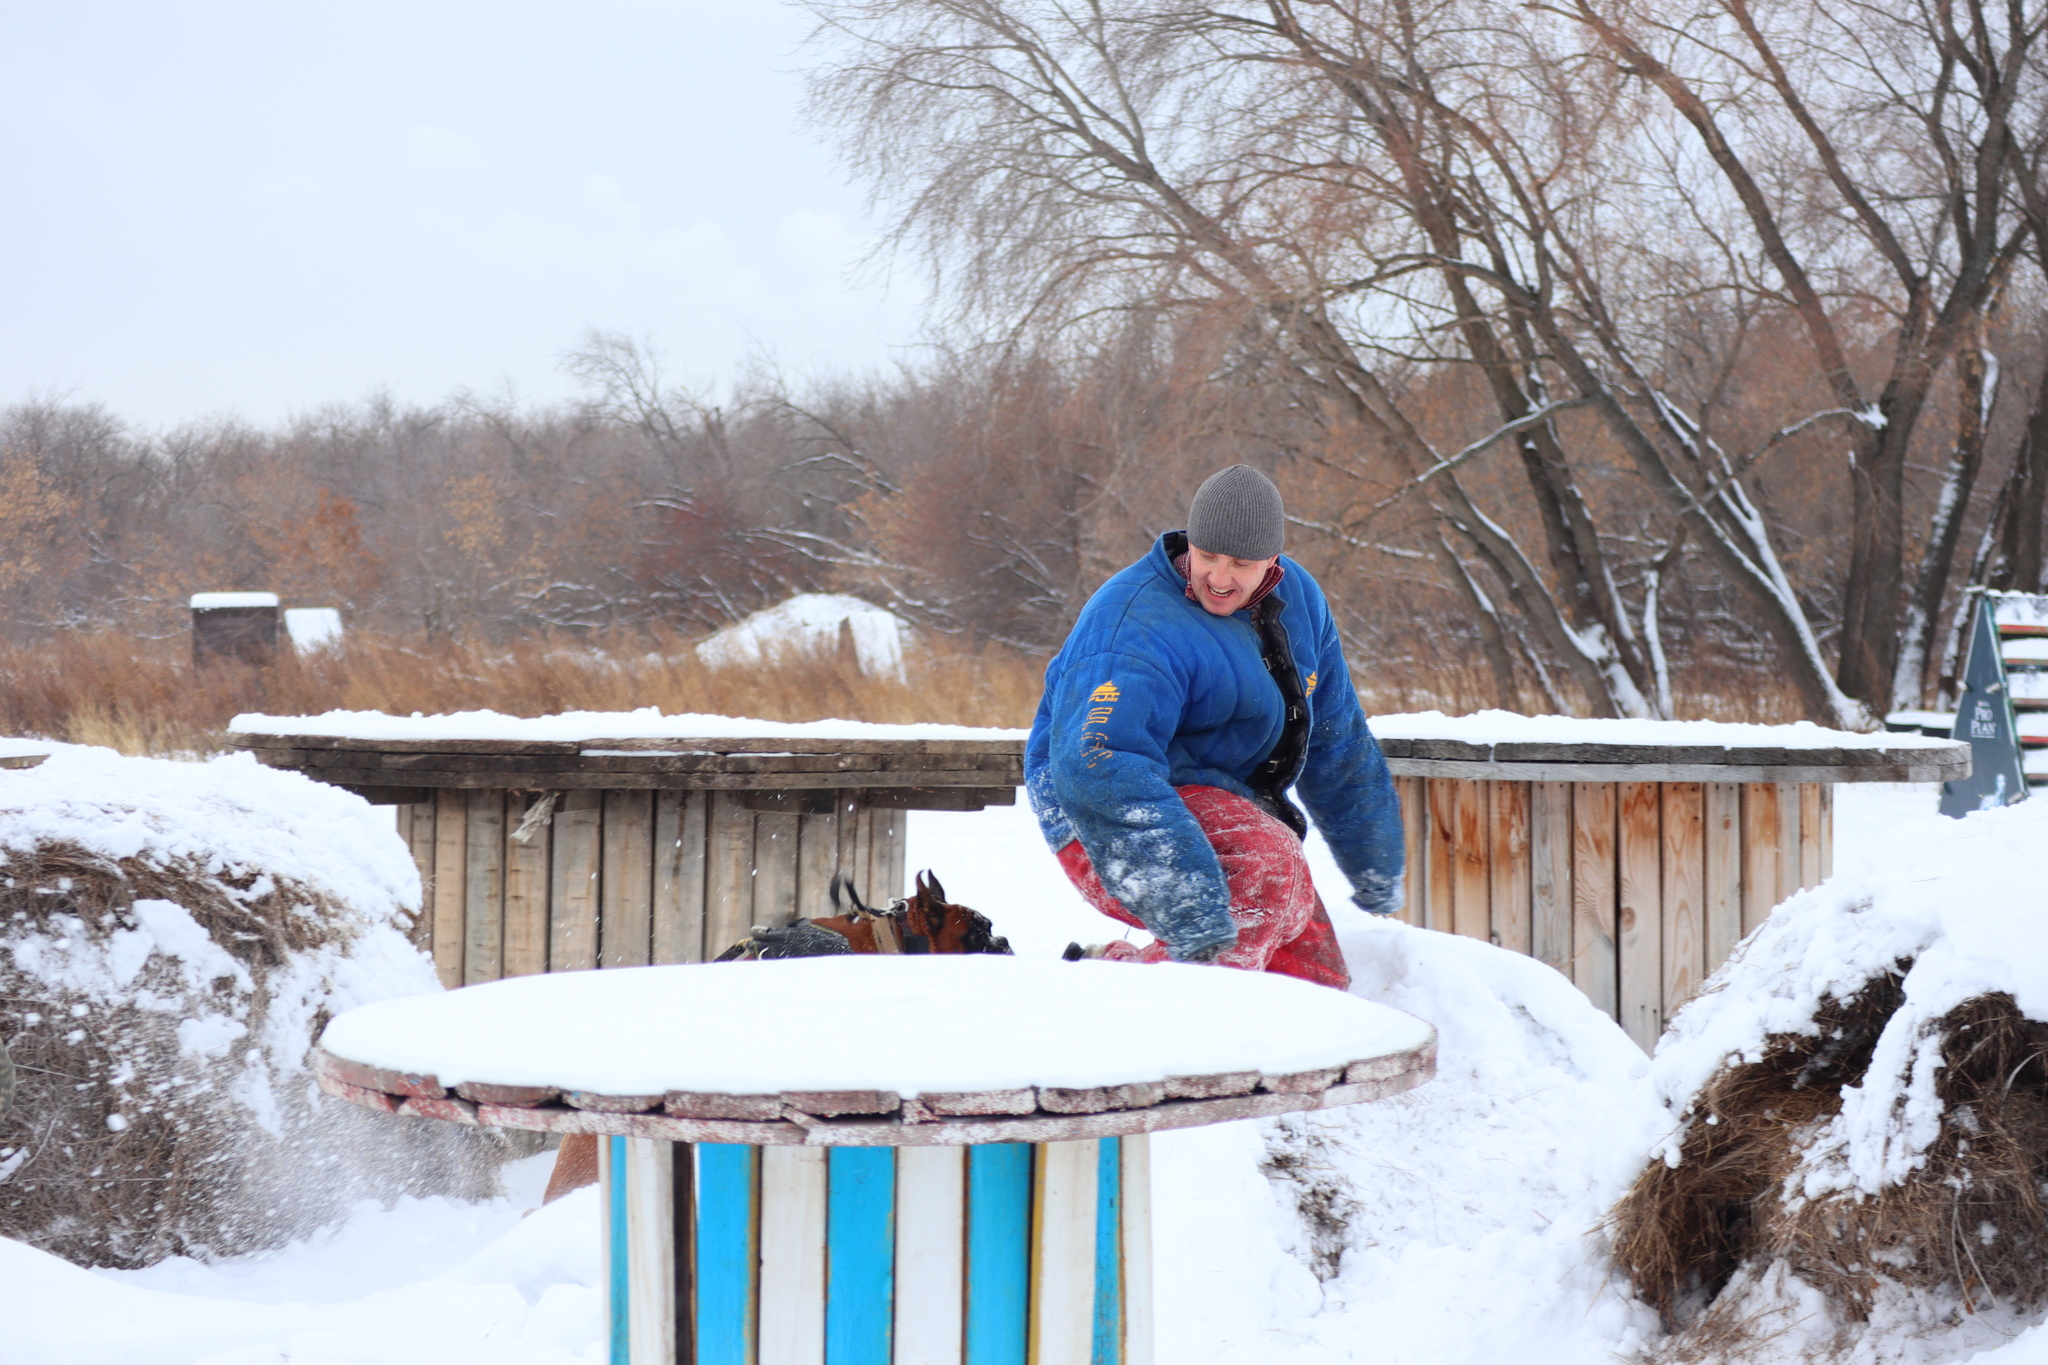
pixel 1223 584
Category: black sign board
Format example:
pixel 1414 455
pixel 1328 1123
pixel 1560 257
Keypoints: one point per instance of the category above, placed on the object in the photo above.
pixel 1984 717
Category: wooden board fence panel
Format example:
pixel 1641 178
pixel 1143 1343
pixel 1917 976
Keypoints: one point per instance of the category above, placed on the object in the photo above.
pixel 1788 838
pixel 1550 874
pixel 729 874
pixel 573 882
pixel 679 839
pixel 526 889
pixel 1763 861
pixel 1415 839
pixel 483 894
pixel 775 854
pixel 817 858
pixel 1683 895
pixel 1595 955
pixel 417 825
pixel 1508 870
pixel 1441 861
pixel 1641 922
pixel 1471 905
pixel 1827 830
pixel 1723 903
pixel 1809 834
pixel 626 884
pixel 890 850
pixel 451 850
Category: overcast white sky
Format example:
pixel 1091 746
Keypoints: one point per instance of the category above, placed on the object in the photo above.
pixel 260 208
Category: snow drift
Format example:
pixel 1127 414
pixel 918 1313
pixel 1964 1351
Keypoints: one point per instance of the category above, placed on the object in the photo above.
pixel 1860 1107
pixel 174 936
pixel 814 623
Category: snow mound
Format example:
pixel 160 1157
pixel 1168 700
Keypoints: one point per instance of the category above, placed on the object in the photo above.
pixel 1455 1223
pixel 1858 1107
pixel 172 937
pixel 814 623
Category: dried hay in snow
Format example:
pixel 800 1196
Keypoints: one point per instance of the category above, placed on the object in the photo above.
pixel 175 935
pixel 1862 1106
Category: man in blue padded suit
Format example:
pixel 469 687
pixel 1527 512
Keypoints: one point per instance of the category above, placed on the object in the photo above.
pixel 1197 688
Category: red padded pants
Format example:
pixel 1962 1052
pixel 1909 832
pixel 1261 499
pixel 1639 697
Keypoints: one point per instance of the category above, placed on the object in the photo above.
pixel 1281 924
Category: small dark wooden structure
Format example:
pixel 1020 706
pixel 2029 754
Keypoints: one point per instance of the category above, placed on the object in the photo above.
pixel 1634 869
pixel 552 855
pixel 234 625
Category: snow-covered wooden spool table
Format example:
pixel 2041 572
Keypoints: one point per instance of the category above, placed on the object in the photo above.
pixel 1630 855
pixel 869 1160
pixel 617 839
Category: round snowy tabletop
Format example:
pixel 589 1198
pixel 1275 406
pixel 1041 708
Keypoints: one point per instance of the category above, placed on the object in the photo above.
pixel 874 1050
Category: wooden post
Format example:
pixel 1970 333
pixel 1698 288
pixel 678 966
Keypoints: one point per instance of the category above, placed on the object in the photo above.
pixel 1809 834
pixel 1723 870
pixel 1550 874
pixel 1508 863
pixel 1642 922
pixel 419 835
pixel 775 854
pixel 1788 838
pixel 1827 830
pixel 626 896
pixel 579 854
pixel 451 852
pixel 1063 1254
pixel 1683 895
pixel 1415 855
pixel 1442 797
pixel 890 851
pixel 1471 905
pixel 817 850
pixel 526 890
pixel 1595 953
pixel 1763 860
pixel 728 874
pixel 793 1192
pixel 931 1236
pixel 679 839
pixel 483 896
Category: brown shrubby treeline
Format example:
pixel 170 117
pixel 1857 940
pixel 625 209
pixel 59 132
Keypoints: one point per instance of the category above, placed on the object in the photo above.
pixel 1675 251
pixel 1615 357
pixel 537 559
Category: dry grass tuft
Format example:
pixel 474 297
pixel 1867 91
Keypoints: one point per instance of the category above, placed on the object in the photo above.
pixel 125 1145
pixel 1970 1221
pixel 143 696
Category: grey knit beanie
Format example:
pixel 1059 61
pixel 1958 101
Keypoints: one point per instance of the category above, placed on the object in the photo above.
pixel 1236 512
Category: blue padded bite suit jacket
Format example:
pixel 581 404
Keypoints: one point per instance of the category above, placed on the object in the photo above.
pixel 1150 693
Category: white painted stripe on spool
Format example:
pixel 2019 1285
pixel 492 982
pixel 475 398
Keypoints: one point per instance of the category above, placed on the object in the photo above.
pixel 931 1259
pixel 792 1256
pixel 1063 1255
pixel 651 1249
pixel 1137 1240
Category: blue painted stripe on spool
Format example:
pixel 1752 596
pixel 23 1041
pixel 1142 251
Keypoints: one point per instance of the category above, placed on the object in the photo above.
pixel 726 1174
pixel 998 1253
pixel 1109 1254
pixel 860 1256
pixel 620 1279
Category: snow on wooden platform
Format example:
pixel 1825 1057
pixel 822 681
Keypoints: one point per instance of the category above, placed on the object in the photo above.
pixel 911 1049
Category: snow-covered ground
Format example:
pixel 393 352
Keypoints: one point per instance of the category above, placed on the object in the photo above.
pixel 1457 1221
